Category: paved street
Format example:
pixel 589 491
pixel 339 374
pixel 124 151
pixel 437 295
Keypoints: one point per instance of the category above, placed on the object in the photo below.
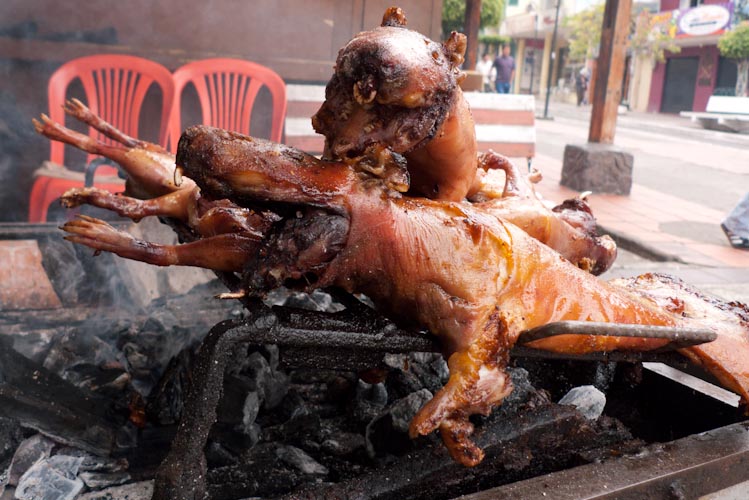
pixel 685 181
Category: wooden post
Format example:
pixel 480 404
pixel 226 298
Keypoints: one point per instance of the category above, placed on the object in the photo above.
pixel 609 71
pixel 472 23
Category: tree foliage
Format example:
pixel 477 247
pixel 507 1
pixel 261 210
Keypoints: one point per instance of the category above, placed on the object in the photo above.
pixel 584 32
pixel 454 13
pixel 653 37
pixel 735 43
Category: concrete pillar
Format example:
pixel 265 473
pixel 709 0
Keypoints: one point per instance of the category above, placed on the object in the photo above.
pixel 642 76
pixel 545 65
pixel 519 63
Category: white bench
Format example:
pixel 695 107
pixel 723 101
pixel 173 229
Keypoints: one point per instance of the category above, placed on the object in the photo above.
pixel 725 113
pixel 504 122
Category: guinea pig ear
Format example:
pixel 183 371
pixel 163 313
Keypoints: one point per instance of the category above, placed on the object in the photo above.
pixel 394 16
pixel 382 163
pixel 455 48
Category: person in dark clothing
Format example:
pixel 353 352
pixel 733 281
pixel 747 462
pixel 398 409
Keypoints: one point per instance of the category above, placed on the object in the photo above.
pixel 505 66
pixel 581 85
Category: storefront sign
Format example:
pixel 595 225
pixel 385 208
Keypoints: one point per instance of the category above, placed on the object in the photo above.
pixel 699 21
pixel 705 20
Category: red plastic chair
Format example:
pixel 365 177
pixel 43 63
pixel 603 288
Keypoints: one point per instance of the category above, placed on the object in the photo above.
pixel 115 86
pixel 227 89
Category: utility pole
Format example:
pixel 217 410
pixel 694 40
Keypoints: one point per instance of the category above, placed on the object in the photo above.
pixel 472 23
pixel 598 165
pixel 552 56
pixel 607 93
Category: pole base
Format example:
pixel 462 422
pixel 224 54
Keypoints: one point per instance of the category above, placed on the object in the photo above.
pixel 601 168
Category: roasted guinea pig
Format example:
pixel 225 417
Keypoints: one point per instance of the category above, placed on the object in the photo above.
pixel 397 89
pixel 155 188
pixel 569 228
pixel 466 275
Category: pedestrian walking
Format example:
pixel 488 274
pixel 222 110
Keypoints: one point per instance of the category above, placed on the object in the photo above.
pixel 505 66
pixel 736 224
pixel 486 69
pixel 581 85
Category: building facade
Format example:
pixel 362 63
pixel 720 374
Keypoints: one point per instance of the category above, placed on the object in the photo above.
pixel 686 80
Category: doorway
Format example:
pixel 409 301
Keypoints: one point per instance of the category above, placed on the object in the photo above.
pixel 678 89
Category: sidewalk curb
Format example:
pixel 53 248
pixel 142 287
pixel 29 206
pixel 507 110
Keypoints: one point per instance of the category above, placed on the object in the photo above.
pixel 638 247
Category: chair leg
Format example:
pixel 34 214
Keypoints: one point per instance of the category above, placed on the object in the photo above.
pixel 37 201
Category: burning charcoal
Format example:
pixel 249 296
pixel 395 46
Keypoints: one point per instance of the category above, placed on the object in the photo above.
pixel 389 430
pixel 343 443
pixel 237 439
pixel 317 300
pixel 523 392
pixel 10 438
pixel 260 473
pixel 77 347
pixel 166 401
pixel 272 354
pixel 239 405
pixel 133 491
pixel 270 385
pixel 411 372
pixel 93 463
pixel 100 480
pixel 301 461
pixel 369 400
pixel 587 399
pixel 28 453
pixel 218 456
pixel 52 478
pixel 160 321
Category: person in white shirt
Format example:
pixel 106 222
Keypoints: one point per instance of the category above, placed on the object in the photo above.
pixel 484 66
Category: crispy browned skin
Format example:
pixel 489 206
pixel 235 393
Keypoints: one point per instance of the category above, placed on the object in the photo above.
pixel 150 172
pixel 471 278
pixel 568 228
pixel 395 88
pixel 221 224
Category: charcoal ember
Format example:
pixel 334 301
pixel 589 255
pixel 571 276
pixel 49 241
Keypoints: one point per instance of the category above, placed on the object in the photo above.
pixel 79 347
pixel 236 439
pixel 166 401
pixel 133 491
pixel 317 300
pixel 272 354
pixel 11 437
pixel 343 444
pixel 52 478
pixel 94 463
pixel 29 452
pixel 259 473
pixel 414 371
pixel 159 321
pixel 101 480
pixel 369 400
pixel 150 348
pixel 301 424
pixel 139 362
pixel 107 380
pixel 301 461
pixel 218 456
pixel 271 385
pixel 587 399
pixel 388 431
pixel 239 404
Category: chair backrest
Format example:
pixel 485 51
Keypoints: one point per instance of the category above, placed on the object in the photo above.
pixel 115 86
pixel 227 89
